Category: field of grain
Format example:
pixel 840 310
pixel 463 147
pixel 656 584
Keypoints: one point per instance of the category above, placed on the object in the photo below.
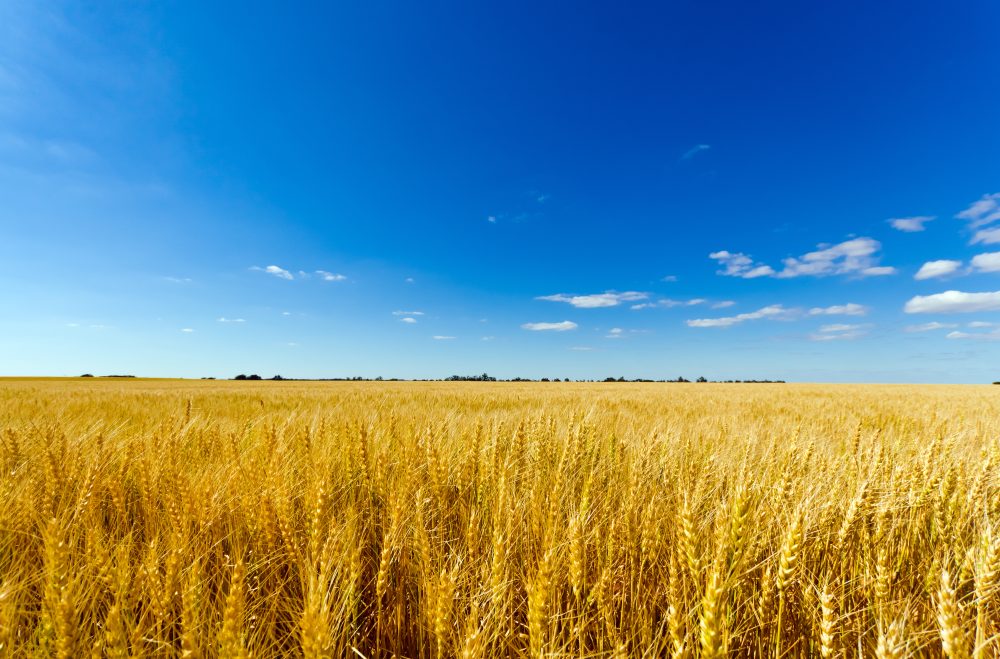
pixel 236 519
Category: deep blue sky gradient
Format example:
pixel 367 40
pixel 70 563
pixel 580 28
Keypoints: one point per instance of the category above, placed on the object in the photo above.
pixel 153 154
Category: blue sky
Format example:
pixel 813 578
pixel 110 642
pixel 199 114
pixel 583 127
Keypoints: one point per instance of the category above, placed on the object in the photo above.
pixel 559 190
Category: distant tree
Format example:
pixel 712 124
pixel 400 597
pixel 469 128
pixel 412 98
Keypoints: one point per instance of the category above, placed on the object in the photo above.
pixel 277 377
pixel 241 376
pixel 545 380
pixel 701 379
pixel 254 377
pixel 621 379
pixel 90 375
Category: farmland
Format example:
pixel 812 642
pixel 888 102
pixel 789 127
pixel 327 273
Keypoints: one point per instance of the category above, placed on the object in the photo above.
pixel 236 519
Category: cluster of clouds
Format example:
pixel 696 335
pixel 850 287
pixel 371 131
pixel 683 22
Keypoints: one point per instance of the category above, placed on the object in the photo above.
pixel 857 256
pixel 281 273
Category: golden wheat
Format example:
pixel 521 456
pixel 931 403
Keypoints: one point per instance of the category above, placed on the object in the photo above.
pixel 432 520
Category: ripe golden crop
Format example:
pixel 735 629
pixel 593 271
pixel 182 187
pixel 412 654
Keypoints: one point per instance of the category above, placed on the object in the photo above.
pixel 166 518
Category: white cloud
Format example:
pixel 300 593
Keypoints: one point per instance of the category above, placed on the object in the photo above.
pixel 438 337
pixel 988 262
pixel 187 330
pixel 954 302
pixel 492 219
pixel 982 212
pixel 488 338
pixel 978 336
pixel 407 313
pixel 581 348
pixel 553 327
pixel 286 313
pixel 670 278
pixel 178 280
pixel 979 323
pixel 668 303
pixel 723 304
pixel 839 336
pixel 330 276
pixel 911 224
pixel 940 268
pixel 230 320
pixel 772 311
pixel 606 299
pixel 408 320
pixel 929 327
pixel 409 280
pixel 839 327
pixel 855 256
pixel 878 271
pixel 695 150
pixel 615 333
pixel 281 273
pixel 849 309
pixel 986 237
pixel 739 265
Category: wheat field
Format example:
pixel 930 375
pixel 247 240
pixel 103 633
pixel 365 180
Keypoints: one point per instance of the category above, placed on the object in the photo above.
pixel 181 518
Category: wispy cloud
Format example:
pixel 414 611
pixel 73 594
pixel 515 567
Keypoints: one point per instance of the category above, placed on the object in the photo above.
pixel 669 278
pixel 439 337
pixel 839 332
pixel 772 311
pixel 695 150
pixel 615 333
pixel 929 327
pixel 976 336
pixel 407 313
pixel 277 271
pixel 979 215
pixel 723 304
pixel 187 330
pixel 223 319
pixel 857 256
pixel 550 327
pixel 408 320
pixel 911 224
pixel 178 280
pixel 954 302
pixel 939 268
pixel 581 348
pixel 606 299
pixel 330 276
pixel 849 309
